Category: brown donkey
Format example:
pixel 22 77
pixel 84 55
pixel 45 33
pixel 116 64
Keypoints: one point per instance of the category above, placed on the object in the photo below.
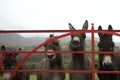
pixel 9 63
pixel 53 61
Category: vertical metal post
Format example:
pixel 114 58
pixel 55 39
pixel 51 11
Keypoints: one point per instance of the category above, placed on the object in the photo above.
pixel 93 58
pixel 2 54
pixel 1 60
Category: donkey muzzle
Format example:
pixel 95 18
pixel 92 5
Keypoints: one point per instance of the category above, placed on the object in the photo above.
pixel 108 66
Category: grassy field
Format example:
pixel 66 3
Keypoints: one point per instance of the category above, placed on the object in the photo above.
pixel 33 77
pixel 96 78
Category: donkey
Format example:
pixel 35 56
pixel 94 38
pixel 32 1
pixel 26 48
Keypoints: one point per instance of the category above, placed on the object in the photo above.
pixel 9 63
pixel 107 62
pixel 53 61
pixel 79 61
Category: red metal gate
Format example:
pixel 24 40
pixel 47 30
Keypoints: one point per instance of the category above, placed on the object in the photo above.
pixel 68 32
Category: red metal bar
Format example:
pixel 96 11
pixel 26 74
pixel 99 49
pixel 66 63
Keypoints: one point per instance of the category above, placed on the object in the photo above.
pixel 49 31
pixel 40 31
pixel 107 32
pixel 108 72
pixel 107 52
pixel 92 31
pixel 93 58
pixel 59 52
pixel 1 59
pixel 32 31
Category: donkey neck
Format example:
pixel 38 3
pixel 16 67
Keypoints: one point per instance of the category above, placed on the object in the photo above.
pixel 56 65
pixel 78 57
pixel 78 61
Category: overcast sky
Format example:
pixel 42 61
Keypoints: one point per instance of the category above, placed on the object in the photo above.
pixel 56 14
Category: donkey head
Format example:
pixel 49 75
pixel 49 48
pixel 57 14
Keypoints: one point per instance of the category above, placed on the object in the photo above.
pixel 10 62
pixel 106 44
pixel 77 42
pixel 50 48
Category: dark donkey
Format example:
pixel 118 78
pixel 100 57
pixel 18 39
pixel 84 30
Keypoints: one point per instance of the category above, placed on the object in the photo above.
pixel 79 61
pixel 107 62
pixel 53 62
pixel 9 63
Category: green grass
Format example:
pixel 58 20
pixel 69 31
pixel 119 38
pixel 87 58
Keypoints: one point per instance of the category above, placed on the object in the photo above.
pixel 96 77
pixel 33 77
pixel 67 76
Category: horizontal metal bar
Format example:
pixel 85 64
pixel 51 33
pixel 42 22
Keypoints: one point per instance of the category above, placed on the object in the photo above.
pixel 108 72
pixel 49 31
pixel 37 31
pixel 59 52
pixel 107 52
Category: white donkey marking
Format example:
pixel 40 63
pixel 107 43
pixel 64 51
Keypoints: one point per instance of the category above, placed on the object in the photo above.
pixel 76 38
pixel 107 59
pixel 6 76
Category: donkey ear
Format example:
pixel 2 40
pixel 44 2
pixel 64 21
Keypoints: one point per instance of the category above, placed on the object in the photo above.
pixel 20 49
pixel 99 28
pixel 100 34
pixel 110 27
pixel 71 27
pixel 3 48
pixel 85 25
pixel 51 35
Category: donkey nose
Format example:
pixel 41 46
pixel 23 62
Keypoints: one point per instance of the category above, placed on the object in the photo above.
pixel 108 66
pixel 76 42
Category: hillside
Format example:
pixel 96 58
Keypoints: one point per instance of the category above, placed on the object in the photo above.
pixel 17 40
pixel 11 39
